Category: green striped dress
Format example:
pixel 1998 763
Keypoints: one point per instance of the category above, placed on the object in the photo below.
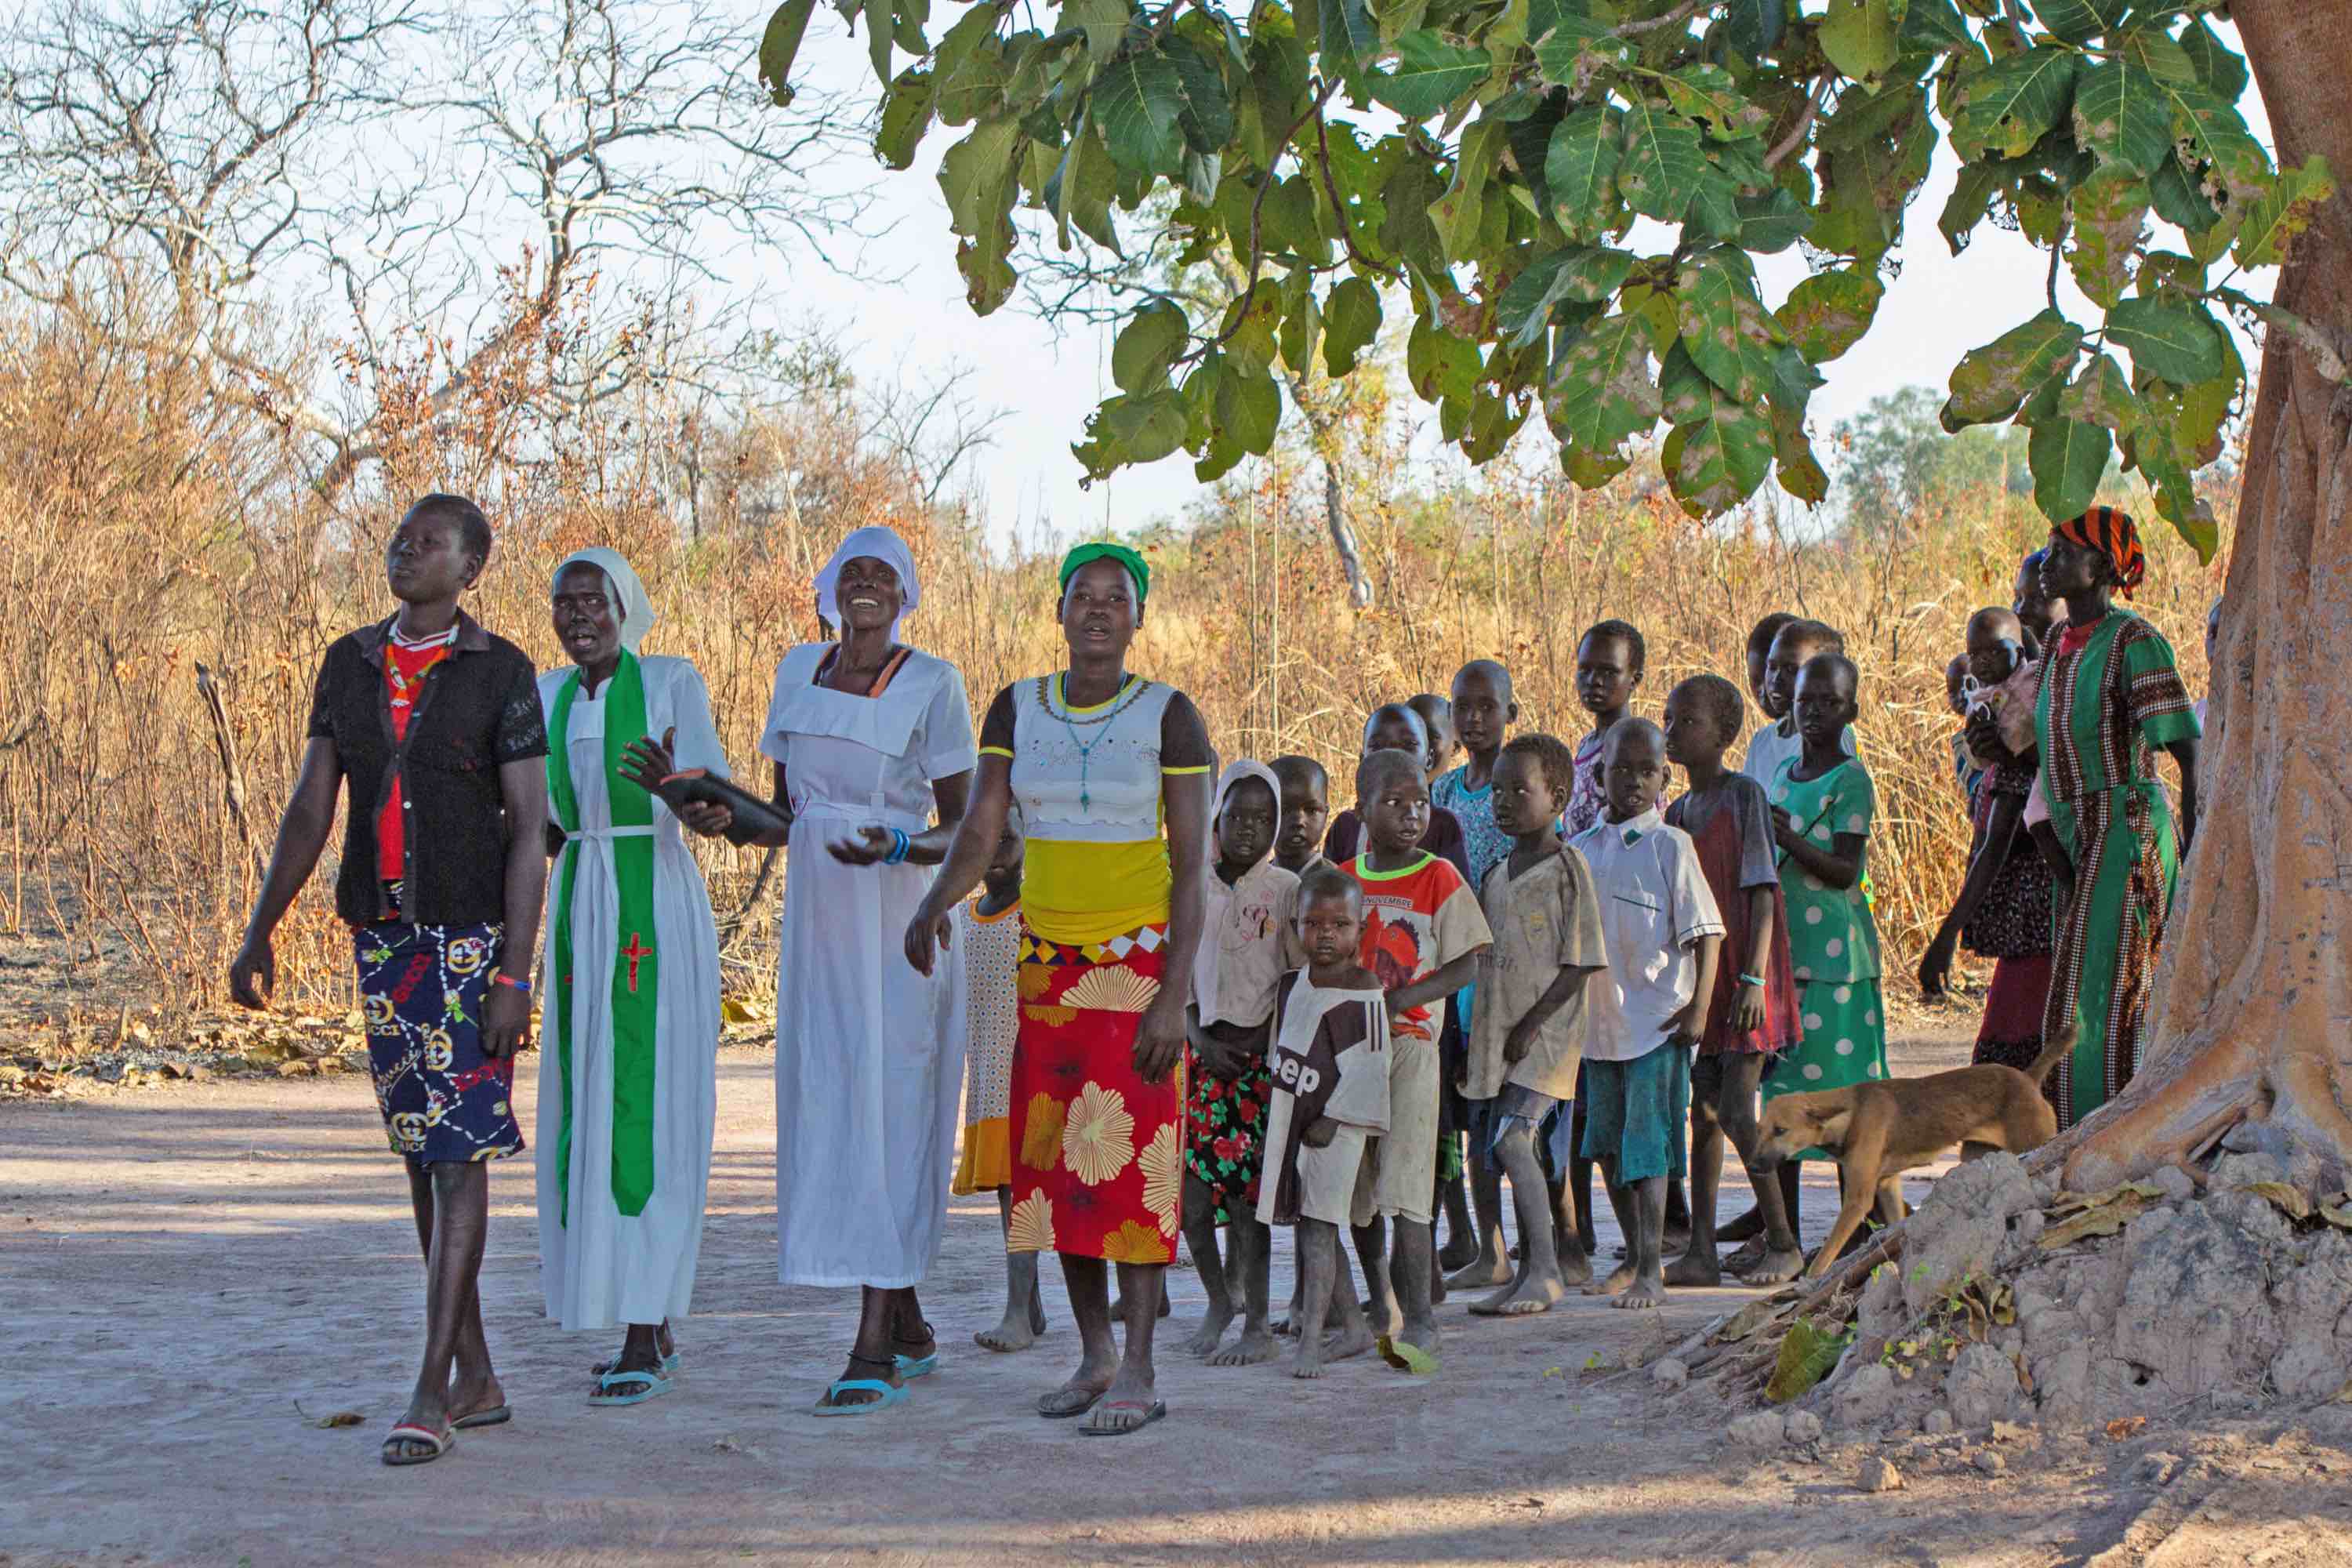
pixel 2111 695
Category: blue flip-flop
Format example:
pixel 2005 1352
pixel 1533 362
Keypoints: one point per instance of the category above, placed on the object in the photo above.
pixel 656 1385
pixel 909 1367
pixel 840 1385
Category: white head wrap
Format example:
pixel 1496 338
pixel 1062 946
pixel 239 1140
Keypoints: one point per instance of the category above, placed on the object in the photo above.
pixel 1228 780
pixel 629 595
pixel 884 545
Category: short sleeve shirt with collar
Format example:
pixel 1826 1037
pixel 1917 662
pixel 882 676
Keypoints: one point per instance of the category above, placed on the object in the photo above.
pixel 1655 907
pixel 473 712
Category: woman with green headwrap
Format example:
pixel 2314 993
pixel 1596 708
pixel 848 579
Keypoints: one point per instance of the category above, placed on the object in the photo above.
pixel 1101 762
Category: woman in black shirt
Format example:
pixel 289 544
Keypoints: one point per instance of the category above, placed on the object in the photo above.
pixel 435 726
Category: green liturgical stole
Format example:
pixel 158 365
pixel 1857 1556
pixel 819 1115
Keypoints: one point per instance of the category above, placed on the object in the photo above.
pixel 636 973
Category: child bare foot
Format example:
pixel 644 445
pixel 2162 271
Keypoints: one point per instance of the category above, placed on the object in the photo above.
pixel 1205 1340
pixel 1776 1268
pixel 1024 1308
pixel 1696 1267
pixel 1483 1274
pixel 1020 1329
pixel 1523 1296
pixel 1641 1294
pixel 1617 1282
pixel 1255 1347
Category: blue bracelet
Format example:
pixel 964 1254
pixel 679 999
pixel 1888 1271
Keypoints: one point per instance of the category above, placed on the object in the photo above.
pixel 899 845
pixel 1755 980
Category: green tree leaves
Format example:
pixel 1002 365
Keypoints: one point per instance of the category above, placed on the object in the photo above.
pixel 2121 114
pixel 779 45
pixel 1430 74
pixel 1827 313
pixel 1662 165
pixel 2005 110
pixel 1601 393
pixel 1581 169
pixel 1862 38
pixel 2068 457
pixel 1351 319
pixel 1993 382
pixel 1138 101
pixel 1500 217
pixel 2175 341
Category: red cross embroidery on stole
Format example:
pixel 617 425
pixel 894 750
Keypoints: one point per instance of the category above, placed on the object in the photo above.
pixel 636 950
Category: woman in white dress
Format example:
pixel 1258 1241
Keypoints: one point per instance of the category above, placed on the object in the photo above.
pixel 628 1090
pixel 872 741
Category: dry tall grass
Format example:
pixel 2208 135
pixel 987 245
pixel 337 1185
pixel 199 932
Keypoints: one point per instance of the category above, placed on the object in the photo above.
pixel 154 546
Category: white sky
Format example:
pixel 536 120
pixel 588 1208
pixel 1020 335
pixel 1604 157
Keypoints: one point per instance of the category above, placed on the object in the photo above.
pixel 1940 307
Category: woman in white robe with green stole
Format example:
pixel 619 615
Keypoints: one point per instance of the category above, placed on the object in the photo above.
pixel 629 990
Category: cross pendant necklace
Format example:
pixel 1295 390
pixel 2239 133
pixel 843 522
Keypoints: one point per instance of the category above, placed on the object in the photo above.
pixel 1086 747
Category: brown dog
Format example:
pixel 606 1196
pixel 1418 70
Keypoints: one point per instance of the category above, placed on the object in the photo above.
pixel 1878 1131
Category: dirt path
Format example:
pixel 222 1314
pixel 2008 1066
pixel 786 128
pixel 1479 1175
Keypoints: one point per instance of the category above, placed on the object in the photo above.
pixel 193 1272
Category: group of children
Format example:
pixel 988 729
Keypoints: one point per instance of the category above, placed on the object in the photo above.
pixel 1531 949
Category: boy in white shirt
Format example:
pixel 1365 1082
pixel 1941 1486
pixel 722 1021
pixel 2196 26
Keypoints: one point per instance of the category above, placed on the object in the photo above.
pixel 1662 933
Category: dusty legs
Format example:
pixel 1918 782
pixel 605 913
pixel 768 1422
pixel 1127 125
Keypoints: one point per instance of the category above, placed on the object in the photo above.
pixel 452 1206
pixel 1025 1305
pixel 1641 1207
pixel 1538 1284
pixel 1115 1380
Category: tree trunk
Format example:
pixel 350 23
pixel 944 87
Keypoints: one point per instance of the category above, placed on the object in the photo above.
pixel 2253 1013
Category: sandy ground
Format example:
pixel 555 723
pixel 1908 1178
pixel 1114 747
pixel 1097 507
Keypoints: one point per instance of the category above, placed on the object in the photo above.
pixel 194 1272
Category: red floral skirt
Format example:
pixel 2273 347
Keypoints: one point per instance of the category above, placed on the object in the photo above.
pixel 1097 1153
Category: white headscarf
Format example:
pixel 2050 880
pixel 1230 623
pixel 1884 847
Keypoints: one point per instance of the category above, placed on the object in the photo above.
pixel 884 545
pixel 629 595
pixel 1227 782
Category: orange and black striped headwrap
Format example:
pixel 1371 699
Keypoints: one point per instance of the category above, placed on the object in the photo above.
pixel 2114 535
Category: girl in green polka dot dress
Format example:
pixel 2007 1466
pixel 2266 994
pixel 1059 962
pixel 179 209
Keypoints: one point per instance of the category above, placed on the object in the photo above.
pixel 1822 805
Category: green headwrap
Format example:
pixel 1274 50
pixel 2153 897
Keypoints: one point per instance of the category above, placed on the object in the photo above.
pixel 1103 549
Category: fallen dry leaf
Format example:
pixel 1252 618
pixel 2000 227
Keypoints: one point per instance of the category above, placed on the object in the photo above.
pixel 2288 1200
pixel 2105 1214
pixel 1747 1321
pixel 340 1418
pixel 2124 1427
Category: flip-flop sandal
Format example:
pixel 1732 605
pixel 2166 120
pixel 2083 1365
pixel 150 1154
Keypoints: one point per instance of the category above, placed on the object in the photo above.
pixel 1155 1411
pixel 496 1417
pixel 1405 1356
pixel 654 1386
pixel 887 1396
pixel 919 1366
pixel 669 1364
pixel 410 1432
pixel 1066 1415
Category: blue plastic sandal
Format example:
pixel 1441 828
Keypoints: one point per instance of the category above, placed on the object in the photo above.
pixel 841 1385
pixel 656 1385
pixel 909 1367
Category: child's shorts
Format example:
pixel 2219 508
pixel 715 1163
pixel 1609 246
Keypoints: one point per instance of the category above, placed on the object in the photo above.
pixel 1515 1102
pixel 1407 1153
pixel 1335 1181
pixel 1636 1113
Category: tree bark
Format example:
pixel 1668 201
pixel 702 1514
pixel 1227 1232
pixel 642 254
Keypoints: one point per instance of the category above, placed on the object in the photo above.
pixel 2253 1013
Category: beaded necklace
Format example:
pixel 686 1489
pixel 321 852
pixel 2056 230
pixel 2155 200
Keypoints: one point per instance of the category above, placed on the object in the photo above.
pixel 1053 701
